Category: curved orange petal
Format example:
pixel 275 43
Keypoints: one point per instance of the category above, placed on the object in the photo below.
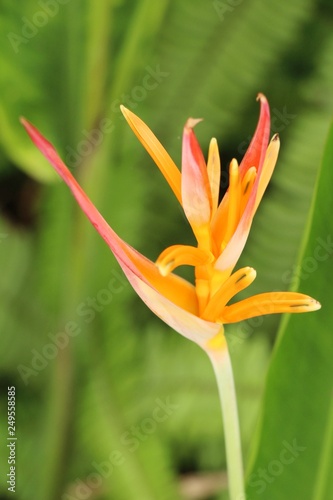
pixel 237 282
pixel 269 303
pixel 190 326
pixel 182 255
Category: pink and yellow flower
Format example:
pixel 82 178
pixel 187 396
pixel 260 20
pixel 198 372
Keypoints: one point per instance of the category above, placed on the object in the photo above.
pixel 198 311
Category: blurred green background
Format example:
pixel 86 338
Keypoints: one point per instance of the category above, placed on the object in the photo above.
pixel 128 409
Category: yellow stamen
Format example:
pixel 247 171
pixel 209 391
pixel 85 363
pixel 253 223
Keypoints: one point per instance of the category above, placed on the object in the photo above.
pixel 174 288
pixel 217 279
pixel 238 281
pixel 202 290
pixel 269 303
pixel 247 185
pixel 182 255
pixel 218 224
pixel 156 151
pixel 233 206
pixel 203 236
pixel 214 173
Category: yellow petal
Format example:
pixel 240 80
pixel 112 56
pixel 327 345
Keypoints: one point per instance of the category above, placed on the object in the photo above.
pixel 232 247
pixel 219 222
pixel 269 303
pixel 247 185
pixel 182 255
pixel 214 173
pixel 234 203
pixel 238 281
pixel 268 167
pixel 156 151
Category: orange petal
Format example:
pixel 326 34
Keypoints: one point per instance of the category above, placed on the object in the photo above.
pixel 253 157
pixel 156 151
pixel 182 255
pixel 231 253
pixel 256 151
pixel 238 281
pixel 196 195
pixel 269 303
pixel 268 167
pixel 234 198
pixel 132 262
pixel 190 326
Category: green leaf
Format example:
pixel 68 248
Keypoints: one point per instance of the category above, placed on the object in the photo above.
pixel 293 450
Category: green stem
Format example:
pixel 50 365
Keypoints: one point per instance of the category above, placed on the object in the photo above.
pixel 96 56
pixel 225 380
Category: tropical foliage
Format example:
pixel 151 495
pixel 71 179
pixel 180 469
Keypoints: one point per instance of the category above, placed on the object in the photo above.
pixel 111 404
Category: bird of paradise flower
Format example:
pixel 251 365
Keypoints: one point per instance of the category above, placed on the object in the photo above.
pixel 200 311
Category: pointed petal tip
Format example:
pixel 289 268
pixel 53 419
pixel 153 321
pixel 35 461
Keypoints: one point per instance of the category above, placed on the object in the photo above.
pixel 27 125
pixel 251 271
pixel 164 270
pixel 308 303
pixel 276 137
pixel 315 306
pixel 39 140
pixel 123 109
pixel 261 97
pixel 192 122
pixel 155 149
pixel 249 274
pixel 129 115
pixel 233 167
pixel 126 112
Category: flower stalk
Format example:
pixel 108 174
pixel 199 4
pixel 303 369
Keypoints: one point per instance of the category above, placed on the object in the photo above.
pixel 221 362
